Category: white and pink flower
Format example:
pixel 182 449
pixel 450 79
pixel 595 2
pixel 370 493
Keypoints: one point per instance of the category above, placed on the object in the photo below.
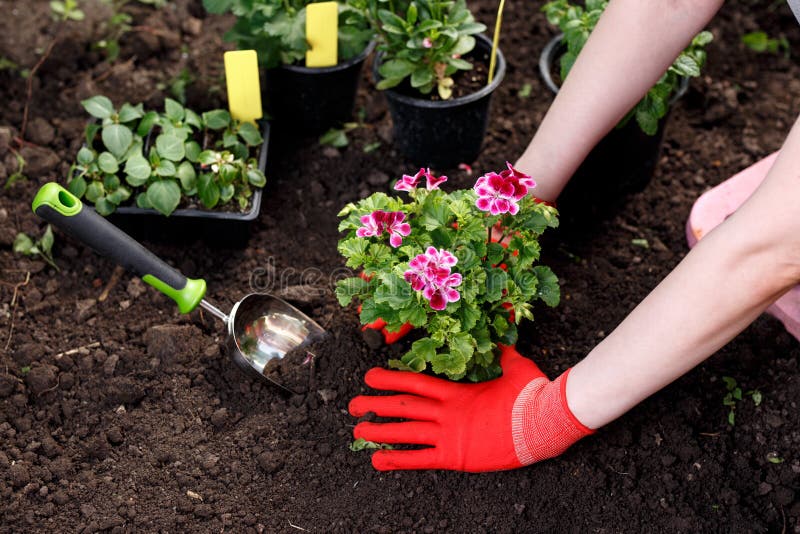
pixel 431 273
pixel 391 222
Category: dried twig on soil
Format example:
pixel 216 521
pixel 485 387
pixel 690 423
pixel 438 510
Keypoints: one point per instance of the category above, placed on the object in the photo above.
pixel 76 350
pixel 14 307
pixel 29 90
pixel 298 528
pixel 112 283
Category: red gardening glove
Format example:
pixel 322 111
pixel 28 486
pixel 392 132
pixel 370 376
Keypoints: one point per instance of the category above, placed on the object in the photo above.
pixel 505 423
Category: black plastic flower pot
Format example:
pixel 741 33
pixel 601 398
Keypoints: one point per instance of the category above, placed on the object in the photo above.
pixel 623 162
pixel 304 101
pixel 216 227
pixel 443 133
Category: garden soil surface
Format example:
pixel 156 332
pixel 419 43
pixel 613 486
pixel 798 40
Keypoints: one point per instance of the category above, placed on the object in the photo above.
pixel 118 414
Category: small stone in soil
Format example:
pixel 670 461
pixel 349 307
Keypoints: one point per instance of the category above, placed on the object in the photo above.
pixel 269 461
pixel 219 417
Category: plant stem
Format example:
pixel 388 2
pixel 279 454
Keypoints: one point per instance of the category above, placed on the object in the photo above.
pixel 495 41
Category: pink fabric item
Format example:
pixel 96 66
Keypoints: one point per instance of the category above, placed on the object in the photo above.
pixel 542 425
pixel 717 204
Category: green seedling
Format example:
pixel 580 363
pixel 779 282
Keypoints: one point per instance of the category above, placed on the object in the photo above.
pixel 640 243
pixel 24 244
pixel 525 91
pixel 371 147
pixel 760 42
pixel 16 176
pixel 734 395
pixel 577 23
pixel 66 10
pixel 337 137
pixel 25 370
pixel 112 167
pixel 361 444
pixel 773 458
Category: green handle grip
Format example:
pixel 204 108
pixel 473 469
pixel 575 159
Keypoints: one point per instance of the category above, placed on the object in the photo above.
pixel 64 210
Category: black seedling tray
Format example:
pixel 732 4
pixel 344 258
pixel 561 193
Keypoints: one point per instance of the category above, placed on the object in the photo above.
pixel 230 229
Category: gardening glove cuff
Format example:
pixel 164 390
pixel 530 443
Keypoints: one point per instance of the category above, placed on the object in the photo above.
pixel 542 425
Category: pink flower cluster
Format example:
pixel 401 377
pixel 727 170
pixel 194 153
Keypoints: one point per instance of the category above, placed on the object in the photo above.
pixel 380 221
pixel 430 273
pixel 499 193
pixel 409 183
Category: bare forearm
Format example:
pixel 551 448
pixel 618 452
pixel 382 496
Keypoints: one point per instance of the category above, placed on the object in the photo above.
pixel 631 47
pixel 719 288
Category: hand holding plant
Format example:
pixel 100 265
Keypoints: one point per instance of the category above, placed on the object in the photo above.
pixel 432 262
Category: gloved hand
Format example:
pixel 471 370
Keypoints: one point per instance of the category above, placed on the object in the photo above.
pixel 505 423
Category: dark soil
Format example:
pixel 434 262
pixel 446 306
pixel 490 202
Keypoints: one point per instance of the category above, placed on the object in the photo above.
pixel 120 415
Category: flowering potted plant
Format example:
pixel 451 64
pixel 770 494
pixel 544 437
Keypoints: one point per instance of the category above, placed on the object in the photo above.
pixel 301 100
pixel 433 64
pixel 630 152
pixel 172 173
pixel 459 265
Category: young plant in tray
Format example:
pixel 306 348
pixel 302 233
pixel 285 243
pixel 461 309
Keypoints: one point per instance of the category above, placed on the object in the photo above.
pixel 178 163
pixel 577 23
pixel 462 266
pixel 276 29
pixel 422 41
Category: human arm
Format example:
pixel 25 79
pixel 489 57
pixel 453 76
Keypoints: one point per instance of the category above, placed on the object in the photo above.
pixel 731 276
pixel 631 47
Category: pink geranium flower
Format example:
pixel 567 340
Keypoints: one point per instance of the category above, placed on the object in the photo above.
pixel 427 43
pixel 379 221
pixel 496 194
pixel 521 181
pixel 409 183
pixel 430 273
pixel 439 295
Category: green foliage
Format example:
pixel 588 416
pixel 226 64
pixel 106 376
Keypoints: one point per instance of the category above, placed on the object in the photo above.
pixel 499 284
pixel 18 175
pixel 337 137
pixel 114 166
pixel 43 247
pixel 361 444
pixel 734 395
pixel 276 29
pixel 577 23
pixel 760 42
pixel 422 41
pixel 66 10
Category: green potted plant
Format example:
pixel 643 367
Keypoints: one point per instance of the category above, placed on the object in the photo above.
pixel 171 173
pixel 433 64
pixel 301 100
pixel 630 152
pixel 461 266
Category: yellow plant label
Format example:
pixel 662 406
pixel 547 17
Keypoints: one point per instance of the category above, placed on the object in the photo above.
pixel 322 29
pixel 244 88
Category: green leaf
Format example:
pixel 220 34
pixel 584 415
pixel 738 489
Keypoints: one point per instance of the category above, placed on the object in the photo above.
pixel 703 38
pixel 218 6
pixel 164 196
pixel 77 186
pixel 495 253
pixel 686 66
pixel 207 190
pixel 348 288
pixel 226 193
pixel 23 244
pixel 170 147
pixel 192 150
pixel 173 110
pixel 256 178
pixel 217 119
pixel 107 163
pixel 460 64
pixel 421 76
pixel 47 241
pixel 250 134
pixel 85 156
pixel 117 139
pixel 548 289
pixel 388 83
pixel 394 291
pixel 207 157
pixel 452 364
pixel 98 106
pixel 396 68
pixel 128 113
pixel 94 191
pixel 335 137
pixel 496 282
pixel 137 170
pixel 187 176
pixel 165 168
pixel 146 124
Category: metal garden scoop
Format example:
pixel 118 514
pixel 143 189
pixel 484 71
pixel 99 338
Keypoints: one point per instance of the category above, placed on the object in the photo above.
pixel 261 328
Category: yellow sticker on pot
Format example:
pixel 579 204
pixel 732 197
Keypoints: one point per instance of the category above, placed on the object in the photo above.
pixel 322 29
pixel 244 88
